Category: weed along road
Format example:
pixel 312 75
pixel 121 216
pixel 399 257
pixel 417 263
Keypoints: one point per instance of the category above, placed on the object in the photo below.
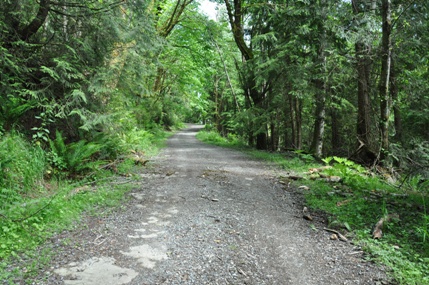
pixel 201 214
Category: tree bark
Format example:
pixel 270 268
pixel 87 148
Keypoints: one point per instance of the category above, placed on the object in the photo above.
pixel 167 27
pixel 385 100
pixel 292 120
pixel 237 107
pixel 319 123
pixel 235 17
pixel 320 83
pixel 395 101
pixel 37 22
pixel 218 104
pixel 336 141
pixel 164 30
pixel 296 121
pixel 365 152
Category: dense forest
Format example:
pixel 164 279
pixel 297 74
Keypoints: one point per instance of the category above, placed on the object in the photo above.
pixel 84 83
pixel 328 77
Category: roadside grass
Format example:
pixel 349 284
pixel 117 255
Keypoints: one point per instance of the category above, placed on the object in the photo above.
pixel 38 202
pixel 214 138
pixel 357 202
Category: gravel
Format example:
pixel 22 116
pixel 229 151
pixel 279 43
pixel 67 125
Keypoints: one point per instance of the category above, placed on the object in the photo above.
pixel 205 215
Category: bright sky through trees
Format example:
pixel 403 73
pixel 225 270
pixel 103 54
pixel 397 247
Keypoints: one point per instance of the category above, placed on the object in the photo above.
pixel 208 8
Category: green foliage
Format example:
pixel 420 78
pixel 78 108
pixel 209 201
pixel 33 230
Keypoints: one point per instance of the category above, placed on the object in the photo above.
pixel 407 267
pixel 80 157
pixel 22 168
pixel 40 218
pixel 214 138
pixel 111 146
pixel 353 174
pixel 137 140
pixel 306 157
pixel 74 158
pixel 57 154
pixel 422 229
pixel 356 204
pixel 105 75
pixel 360 201
pixel 413 159
pixel 32 218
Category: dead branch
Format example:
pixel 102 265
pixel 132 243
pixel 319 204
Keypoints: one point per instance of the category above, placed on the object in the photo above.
pixel 377 233
pixel 340 236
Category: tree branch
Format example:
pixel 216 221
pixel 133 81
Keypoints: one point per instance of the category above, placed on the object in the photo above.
pixel 235 20
pixel 37 22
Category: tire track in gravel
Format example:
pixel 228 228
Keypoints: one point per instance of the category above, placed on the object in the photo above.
pixel 208 215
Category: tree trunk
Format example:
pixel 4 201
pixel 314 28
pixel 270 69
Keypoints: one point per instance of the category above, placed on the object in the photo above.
pixel 235 17
pixel 274 131
pixel 364 104
pixel 365 152
pixel 385 101
pixel 164 29
pixel 292 120
pixel 287 124
pixel 237 107
pixel 320 83
pixel 336 142
pixel 297 110
pixel 218 105
pixel 261 141
pixel 37 22
pixel 395 100
pixel 258 101
pixel 319 124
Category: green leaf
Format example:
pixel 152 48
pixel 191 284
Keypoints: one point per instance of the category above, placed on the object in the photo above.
pixel 77 95
pixel 52 73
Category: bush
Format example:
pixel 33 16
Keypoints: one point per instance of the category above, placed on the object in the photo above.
pixel 22 168
pixel 75 158
pixel 136 139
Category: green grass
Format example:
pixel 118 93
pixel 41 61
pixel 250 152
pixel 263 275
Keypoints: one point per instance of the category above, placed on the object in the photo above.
pixel 35 206
pixel 23 232
pixel 356 204
pixel 214 138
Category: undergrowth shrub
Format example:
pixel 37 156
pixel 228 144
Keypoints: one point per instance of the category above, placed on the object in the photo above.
pixel 111 146
pixel 412 159
pixel 215 138
pixel 22 168
pixel 136 139
pixel 75 158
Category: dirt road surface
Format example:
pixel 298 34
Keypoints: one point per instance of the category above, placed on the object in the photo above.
pixel 206 215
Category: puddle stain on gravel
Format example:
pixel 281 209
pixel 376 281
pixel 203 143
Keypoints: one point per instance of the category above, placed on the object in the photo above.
pixel 147 255
pixel 95 271
pixel 153 234
pixel 102 270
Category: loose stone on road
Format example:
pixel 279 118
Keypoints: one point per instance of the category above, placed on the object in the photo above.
pixel 206 215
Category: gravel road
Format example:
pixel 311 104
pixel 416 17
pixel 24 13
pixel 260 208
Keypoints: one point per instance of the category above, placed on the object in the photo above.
pixel 206 215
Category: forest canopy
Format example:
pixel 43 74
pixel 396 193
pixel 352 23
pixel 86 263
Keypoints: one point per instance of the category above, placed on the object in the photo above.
pixel 328 77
